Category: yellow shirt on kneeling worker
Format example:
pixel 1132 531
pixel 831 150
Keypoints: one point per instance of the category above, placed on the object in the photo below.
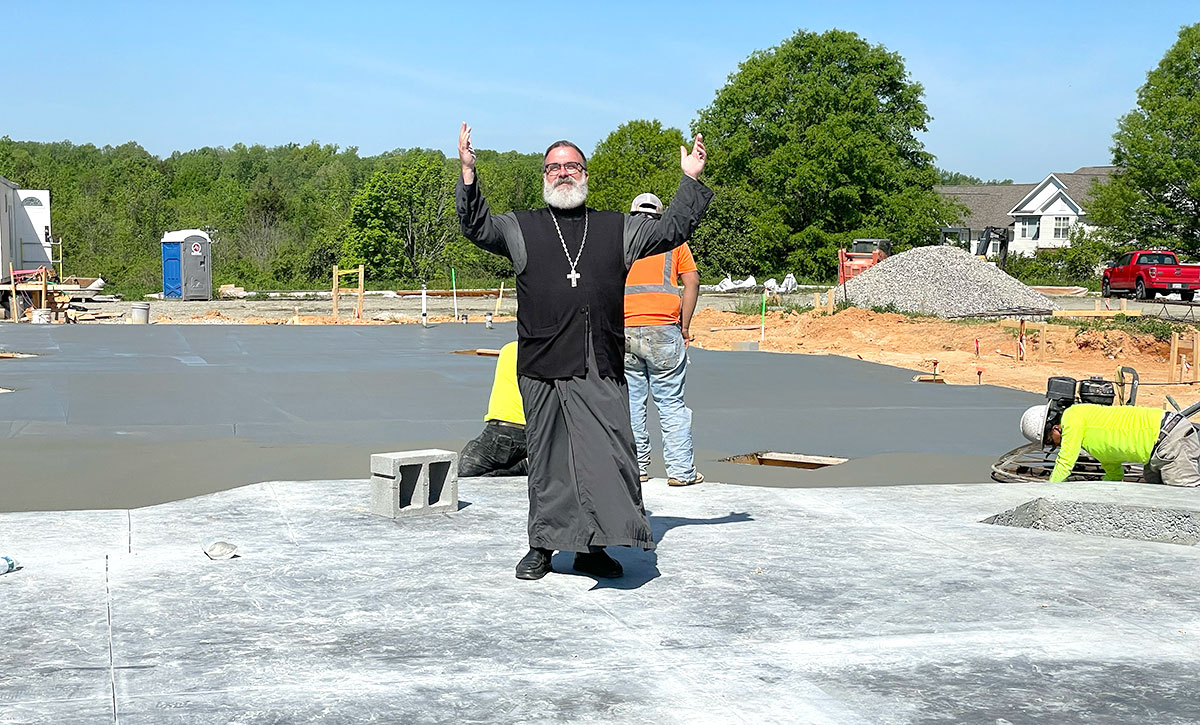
pixel 505 402
pixel 1111 434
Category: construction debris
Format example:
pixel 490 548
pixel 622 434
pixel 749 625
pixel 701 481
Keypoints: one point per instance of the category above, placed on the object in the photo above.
pixel 944 281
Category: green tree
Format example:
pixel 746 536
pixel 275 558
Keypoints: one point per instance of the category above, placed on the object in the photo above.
pixel 954 178
pixel 401 221
pixel 638 157
pixel 1155 197
pixel 820 133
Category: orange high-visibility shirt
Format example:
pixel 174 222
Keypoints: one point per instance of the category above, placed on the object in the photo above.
pixel 652 292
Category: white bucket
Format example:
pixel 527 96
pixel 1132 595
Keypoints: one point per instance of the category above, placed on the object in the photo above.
pixel 41 316
pixel 139 313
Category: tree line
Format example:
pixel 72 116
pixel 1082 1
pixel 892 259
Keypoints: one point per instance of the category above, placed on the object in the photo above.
pixel 812 143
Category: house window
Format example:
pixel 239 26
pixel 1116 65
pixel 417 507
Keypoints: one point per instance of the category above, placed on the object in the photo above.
pixel 1029 227
pixel 1062 225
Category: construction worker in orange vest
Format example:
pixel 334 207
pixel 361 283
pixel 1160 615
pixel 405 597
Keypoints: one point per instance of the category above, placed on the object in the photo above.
pixel 657 316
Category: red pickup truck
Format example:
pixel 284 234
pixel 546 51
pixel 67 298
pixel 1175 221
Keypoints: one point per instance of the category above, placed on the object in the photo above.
pixel 1148 272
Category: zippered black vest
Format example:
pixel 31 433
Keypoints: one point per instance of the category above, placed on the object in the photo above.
pixel 554 319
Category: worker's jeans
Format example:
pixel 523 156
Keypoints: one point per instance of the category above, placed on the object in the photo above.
pixel 1176 458
pixel 498 451
pixel 655 361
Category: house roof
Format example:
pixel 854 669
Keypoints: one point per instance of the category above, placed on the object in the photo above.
pixel 1079 182
pixel 988 204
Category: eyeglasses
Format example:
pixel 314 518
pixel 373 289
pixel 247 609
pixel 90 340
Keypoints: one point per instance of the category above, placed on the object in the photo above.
pixel 571 167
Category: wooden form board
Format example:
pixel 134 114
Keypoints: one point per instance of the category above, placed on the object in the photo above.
pixel 1099 311
pixel 788 460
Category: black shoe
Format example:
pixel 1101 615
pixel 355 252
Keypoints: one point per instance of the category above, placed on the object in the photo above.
pixel 535 564
pixel 598 563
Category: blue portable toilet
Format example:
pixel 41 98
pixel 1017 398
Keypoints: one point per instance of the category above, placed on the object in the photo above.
pixel 187 265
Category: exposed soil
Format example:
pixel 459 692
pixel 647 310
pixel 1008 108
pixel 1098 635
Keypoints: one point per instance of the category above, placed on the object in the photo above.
pixel 916 343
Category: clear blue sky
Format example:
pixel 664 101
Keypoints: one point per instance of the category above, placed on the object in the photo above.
pixel 1016 89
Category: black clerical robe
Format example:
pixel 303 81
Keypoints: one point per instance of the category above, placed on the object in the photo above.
pixel 584 488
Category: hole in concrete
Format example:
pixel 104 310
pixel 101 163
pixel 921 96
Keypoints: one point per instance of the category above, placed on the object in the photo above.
pixel 439 471
pixel 409 476
pixel 483 351
pixel 1143 523
pixel 787 460
pixel 13 355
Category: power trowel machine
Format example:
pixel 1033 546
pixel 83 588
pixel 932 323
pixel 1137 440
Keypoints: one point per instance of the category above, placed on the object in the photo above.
pixel 1033 462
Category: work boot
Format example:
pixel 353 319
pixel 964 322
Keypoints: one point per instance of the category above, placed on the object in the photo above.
pixel 676 482
pixel 535 564
pixel 643 477
pixel 597 562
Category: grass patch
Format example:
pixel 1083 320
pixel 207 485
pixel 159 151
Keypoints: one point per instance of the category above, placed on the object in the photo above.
pixel 754 307
pixel 1160 329
pixel 892 309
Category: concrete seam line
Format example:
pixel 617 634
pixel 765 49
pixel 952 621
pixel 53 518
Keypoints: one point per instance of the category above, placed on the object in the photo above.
pixel 112 671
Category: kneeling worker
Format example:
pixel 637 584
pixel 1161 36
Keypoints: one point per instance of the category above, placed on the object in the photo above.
pixel 1165 442
pixel 500 449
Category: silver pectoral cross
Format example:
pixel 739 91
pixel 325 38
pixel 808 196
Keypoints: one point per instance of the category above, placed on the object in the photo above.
pixel 574 277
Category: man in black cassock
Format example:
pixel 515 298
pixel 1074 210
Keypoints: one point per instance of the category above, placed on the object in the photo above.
pixel 571 263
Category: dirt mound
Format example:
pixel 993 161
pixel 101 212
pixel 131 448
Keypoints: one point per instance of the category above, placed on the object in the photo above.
pixel 1117 343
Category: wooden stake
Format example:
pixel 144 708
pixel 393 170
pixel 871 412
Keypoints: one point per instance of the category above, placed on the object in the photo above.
pixel 359 310
pixel 816 301
pixel 499 297
pixel 1195 350
pixel 1021 342
pixel 12 278
pixel 336 290
pixel 1174 358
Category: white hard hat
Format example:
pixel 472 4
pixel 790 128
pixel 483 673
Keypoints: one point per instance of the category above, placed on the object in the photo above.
pixel 1033 423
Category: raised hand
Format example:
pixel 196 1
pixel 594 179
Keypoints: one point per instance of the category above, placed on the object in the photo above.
pixel 466 154
pixel 693 163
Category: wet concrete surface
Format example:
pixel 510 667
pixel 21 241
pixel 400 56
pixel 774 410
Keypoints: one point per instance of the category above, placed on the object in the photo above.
pixel 126 416
pixel 875 605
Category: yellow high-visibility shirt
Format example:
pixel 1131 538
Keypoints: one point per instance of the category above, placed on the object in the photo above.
pixel 1112 434
pixel 505 403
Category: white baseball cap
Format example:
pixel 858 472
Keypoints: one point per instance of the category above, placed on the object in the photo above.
pixel 646 204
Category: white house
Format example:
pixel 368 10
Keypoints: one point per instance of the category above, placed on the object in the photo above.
pixel 1038 216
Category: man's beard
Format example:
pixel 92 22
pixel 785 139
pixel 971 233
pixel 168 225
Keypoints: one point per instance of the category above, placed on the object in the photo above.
pixel 565 193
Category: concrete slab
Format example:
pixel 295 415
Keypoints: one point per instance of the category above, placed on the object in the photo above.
pixel 137 415
pixel 837 605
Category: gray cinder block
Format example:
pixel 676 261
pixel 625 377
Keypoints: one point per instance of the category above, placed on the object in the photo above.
pixel 414 483
pixel 746 346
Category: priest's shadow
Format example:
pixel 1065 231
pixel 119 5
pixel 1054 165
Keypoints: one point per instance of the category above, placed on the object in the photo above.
pixel 642 566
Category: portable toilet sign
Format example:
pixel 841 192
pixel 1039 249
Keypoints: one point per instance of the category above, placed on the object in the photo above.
pixel 187 265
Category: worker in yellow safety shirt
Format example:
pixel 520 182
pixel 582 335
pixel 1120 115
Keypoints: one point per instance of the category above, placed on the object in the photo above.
pixel 500 449
pixel 1166 443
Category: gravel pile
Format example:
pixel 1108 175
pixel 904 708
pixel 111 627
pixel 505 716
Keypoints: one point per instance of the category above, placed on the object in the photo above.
pixel 943 281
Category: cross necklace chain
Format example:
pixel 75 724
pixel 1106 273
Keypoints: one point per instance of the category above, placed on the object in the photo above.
pixel 573 275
